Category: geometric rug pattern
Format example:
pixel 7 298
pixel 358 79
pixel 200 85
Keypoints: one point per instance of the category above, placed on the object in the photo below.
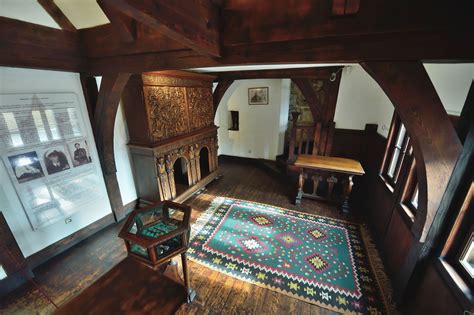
pixel 320 260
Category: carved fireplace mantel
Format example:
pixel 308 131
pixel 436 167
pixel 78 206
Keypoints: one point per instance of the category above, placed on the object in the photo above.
pixel 173 139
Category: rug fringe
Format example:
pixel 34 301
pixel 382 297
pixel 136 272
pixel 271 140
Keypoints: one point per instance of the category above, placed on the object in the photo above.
pixel 378 268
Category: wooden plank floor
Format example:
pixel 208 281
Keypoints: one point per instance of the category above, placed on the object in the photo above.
pixel 71 272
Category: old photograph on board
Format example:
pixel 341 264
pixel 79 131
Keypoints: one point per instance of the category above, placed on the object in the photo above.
pixel 26 166
pixel 55 160
pixel 79 152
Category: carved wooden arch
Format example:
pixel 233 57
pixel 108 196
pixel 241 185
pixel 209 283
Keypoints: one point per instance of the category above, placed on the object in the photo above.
pixel 304 85
pixel 110 92
pixel 219 92
pixel 436 145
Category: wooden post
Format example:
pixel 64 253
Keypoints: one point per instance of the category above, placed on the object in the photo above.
pixel 299 194
pixel 291 152
pixel 347 192
pixel 110 92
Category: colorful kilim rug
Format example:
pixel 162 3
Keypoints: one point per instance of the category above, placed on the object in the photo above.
pixel 320 260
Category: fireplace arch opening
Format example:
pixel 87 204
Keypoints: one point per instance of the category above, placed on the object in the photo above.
pixel 181 179
pixel 204 162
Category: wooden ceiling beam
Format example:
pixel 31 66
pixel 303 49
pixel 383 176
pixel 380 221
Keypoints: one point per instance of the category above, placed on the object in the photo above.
pixel 266 21
pixel 191 23
pixel 447 47
pixel 345 7
pixel 29 45
pixel 308 73
pixel 124 26
pixel 58 16
pixel 104 41
pixel 404 46
pixel 156 61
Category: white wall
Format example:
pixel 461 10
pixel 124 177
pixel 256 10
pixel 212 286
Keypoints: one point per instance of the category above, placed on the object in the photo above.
pixel 28 11
pixel 261 127
pixel 15 80
pixel 361 101
pixel 123 159
pixel 452 82
pixel 123 162
pixel 81 13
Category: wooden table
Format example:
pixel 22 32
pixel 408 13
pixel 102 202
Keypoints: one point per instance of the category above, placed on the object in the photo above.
pixel 128 288
pixel 318 166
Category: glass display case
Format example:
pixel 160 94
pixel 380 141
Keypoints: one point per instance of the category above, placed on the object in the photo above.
pixel 157 233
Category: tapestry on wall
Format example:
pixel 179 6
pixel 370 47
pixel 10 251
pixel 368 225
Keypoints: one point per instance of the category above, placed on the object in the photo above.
pixel 316 259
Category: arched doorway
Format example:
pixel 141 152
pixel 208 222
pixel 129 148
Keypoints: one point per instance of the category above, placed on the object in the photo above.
pixel 180 176
pixel 204 162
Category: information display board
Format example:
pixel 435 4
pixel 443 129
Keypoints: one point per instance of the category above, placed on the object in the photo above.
pixel 44 148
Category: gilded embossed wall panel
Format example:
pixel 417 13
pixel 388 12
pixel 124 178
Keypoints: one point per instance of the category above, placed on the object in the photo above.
pixel 167 111
pixel 172 81
pixel 201 112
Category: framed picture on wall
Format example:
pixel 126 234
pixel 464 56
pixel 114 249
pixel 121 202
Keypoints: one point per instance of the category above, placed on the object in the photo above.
pixel 258 96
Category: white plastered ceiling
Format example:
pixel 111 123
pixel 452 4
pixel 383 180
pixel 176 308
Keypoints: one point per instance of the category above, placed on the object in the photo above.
pixel 81 13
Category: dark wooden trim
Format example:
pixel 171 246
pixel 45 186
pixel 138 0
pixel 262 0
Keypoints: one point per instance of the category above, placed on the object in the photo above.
pixel 332 95
pixel 322 73
pixel 123 212
pixel 467 115
pixel 219 92
pixel 110 92
pixel 57 248
pixel 58 16
pixel 91 93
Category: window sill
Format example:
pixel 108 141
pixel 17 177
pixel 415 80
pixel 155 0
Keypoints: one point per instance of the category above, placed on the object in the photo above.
pixel 408 213
pixel 455 283
pixel 387 184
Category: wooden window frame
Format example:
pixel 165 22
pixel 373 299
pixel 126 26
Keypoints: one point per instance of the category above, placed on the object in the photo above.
pixel 410 187
pixel 459 238
pixel 395 128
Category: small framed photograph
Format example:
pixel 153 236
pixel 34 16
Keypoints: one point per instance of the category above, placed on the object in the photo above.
pixel 258 96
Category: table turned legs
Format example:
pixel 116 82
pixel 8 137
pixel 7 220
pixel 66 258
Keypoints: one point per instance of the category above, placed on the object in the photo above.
pixel 299 195
pixel 331 181
pixel 191 292
pixel 347 192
